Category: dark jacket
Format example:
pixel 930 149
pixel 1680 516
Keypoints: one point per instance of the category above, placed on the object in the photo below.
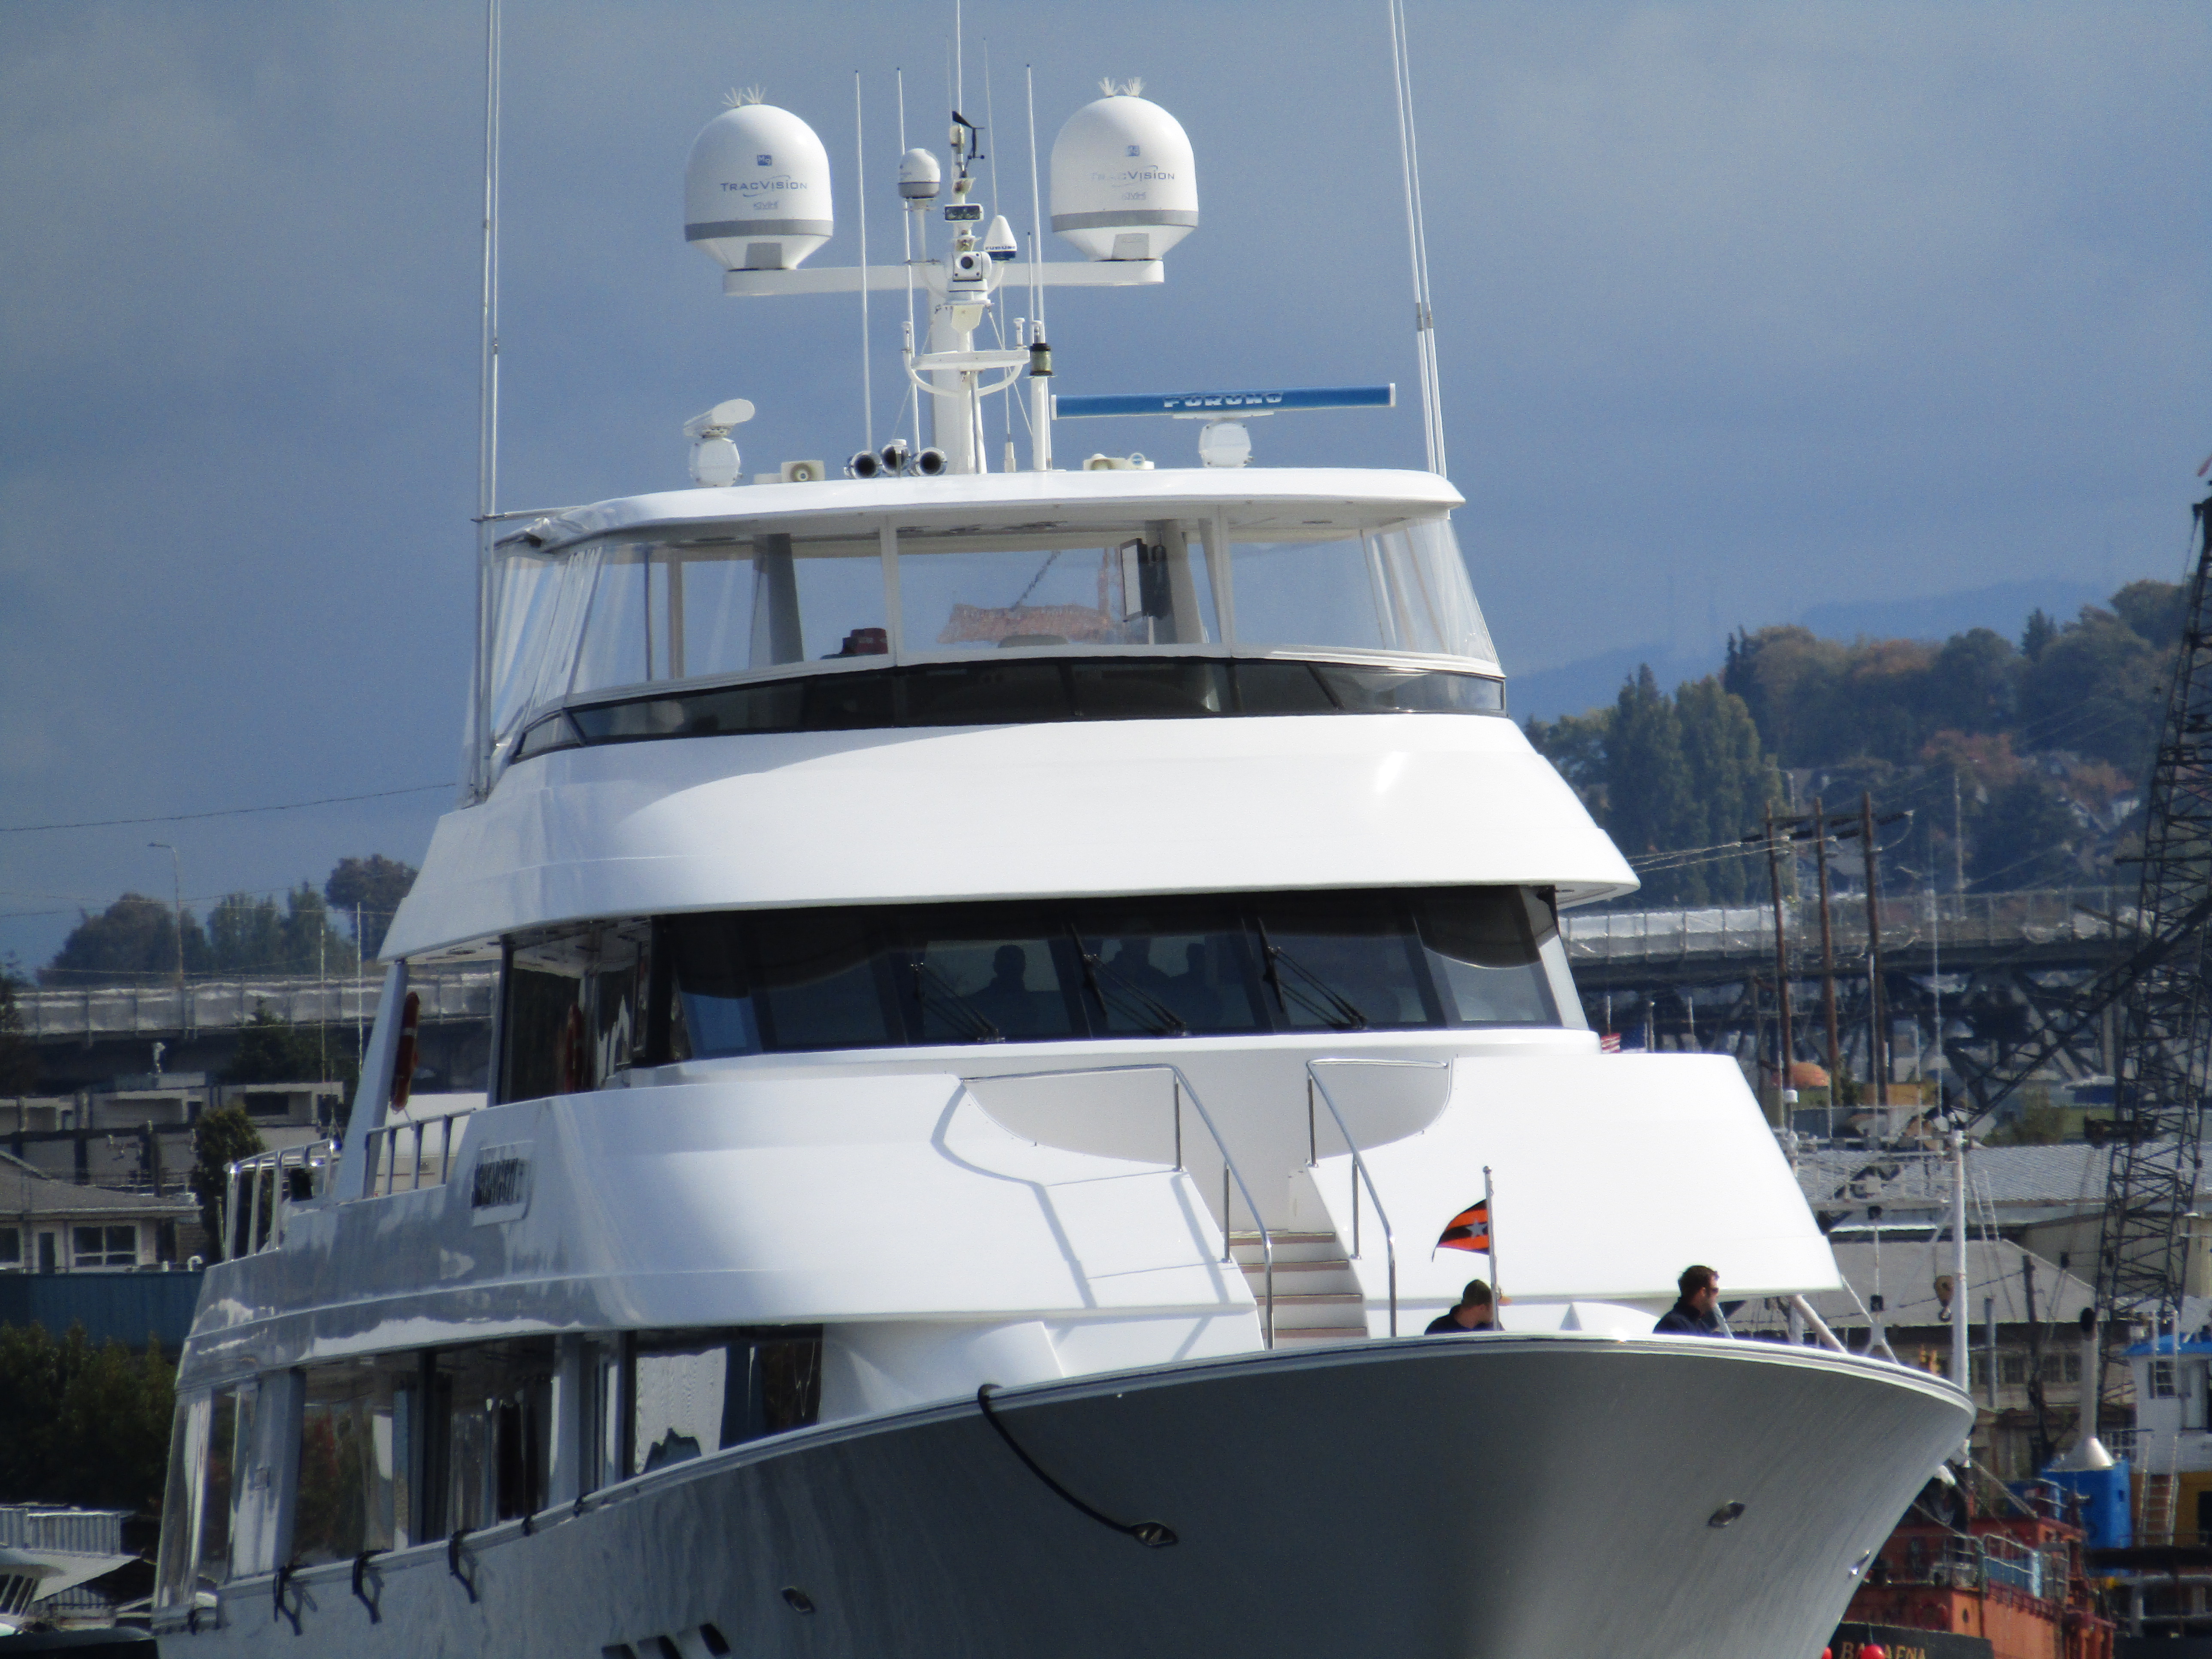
pixel 1683 1320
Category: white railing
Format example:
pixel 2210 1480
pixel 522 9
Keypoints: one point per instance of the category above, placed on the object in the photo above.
pixel 398 1157
pixel 1359 1171
pixel 260 1193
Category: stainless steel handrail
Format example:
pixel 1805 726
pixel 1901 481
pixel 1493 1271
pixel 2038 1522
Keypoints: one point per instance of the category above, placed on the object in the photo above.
pixel 383 1152
pixel 1228 1163
pixel 1359 1169
pixel 267 1170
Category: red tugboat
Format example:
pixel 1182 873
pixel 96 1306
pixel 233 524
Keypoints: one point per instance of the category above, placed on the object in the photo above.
pixel 1953 1583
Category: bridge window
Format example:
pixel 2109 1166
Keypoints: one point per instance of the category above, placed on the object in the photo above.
pixel 11 1247
pixel 868 977
pixel 604 614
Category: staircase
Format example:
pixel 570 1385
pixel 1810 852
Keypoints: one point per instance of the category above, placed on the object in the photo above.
pixel 1317 1295
pixel 2161 1490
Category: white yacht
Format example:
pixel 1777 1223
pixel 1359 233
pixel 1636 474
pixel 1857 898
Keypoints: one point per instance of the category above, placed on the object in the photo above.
pixel 1007 976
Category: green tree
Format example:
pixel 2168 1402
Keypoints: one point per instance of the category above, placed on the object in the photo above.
pixel 1649 807
pixel 87 1426
pixel 19 1056
pixel 2154 609
pixel 134 939
pixel 1733 780
pixel 220 1138
pixel 2039 632
pixel 271 1049
pixel 1575 744
pixel 374 885
pixel 113 1426
pixel 2095 688
pixel 248 934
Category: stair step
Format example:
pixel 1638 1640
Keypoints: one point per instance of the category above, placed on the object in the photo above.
pixel 1327 1264
pixel 1303 1334
pixel 1285 1237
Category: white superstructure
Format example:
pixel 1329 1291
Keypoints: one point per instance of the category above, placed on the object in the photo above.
pixel 1005 977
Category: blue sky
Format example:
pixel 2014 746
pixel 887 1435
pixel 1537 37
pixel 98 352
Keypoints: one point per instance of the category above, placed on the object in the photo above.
pixel 1744 310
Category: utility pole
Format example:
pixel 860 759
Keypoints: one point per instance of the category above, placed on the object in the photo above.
pixel 177 881
pixel 1782 1088
pixel 1827 960
pixel 1878 999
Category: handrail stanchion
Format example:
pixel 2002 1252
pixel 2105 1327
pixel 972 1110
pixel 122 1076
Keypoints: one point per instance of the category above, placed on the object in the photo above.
pixel 229 1242
pixel 1360 1173
pixel 1229 1172
pixel 417 1184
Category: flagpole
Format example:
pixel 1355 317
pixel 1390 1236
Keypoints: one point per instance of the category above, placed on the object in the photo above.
pixel 1496 1290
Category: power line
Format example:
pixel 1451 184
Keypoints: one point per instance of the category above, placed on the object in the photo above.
pixel 223 812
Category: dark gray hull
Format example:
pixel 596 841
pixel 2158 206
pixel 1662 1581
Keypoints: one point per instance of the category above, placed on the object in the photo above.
pixel 1536 1498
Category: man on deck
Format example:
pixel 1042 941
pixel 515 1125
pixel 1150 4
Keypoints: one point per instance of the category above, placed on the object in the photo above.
pixel 1474 1313
pixel 1698 1312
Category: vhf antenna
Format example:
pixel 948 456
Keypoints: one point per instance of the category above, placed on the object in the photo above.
pixel 487 406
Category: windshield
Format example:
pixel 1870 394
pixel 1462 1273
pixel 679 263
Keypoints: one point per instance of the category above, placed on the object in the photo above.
pixel 609 613
pixel 1040 971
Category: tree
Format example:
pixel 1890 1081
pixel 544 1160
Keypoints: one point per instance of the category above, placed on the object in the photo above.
pixel 1733 780
pixel 271 1049
pixel 250 935
pixel 2039 632
pixel 220 1138
pixel 2093 687
pixel 1575 744
pixel 376 884
pixel 1647 779
pixel 19 1056
pixel 86 1426
pixel 135 939
pixel 2154 609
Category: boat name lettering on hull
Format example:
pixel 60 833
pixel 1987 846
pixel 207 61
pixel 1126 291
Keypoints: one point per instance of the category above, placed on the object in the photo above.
pixel 499 1187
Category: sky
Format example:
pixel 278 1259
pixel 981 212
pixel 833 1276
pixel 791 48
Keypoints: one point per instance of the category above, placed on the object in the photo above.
pixel 1743 310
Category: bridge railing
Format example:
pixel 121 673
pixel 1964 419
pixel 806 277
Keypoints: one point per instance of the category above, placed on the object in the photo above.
pixel 1910 922
pixel 132 1009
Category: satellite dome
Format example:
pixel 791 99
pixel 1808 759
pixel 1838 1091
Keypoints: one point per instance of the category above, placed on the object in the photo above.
pixel 757 189
pixel 1124 183
pixel 918 175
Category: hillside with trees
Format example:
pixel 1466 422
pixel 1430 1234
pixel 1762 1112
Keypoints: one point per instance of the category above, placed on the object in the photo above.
pixel 2023 764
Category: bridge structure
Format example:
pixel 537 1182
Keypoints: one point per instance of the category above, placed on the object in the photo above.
pixel 1972 981
pixel 1993 970
pixel 88 1036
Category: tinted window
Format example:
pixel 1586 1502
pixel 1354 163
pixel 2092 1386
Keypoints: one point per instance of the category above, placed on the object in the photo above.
pixel 1347 962
pixel 1034 971
pixel 1482 948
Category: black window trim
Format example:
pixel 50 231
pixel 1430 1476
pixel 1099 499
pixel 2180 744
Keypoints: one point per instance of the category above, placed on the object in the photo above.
pixel 560 728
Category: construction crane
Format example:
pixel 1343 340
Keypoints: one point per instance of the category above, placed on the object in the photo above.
pixel 2156 994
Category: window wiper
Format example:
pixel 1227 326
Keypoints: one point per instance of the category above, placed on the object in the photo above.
pixel 963 1015
pixel 1322 1001
pixel 1126 1000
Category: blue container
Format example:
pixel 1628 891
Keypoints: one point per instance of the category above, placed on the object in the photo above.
pixel 2105 1511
